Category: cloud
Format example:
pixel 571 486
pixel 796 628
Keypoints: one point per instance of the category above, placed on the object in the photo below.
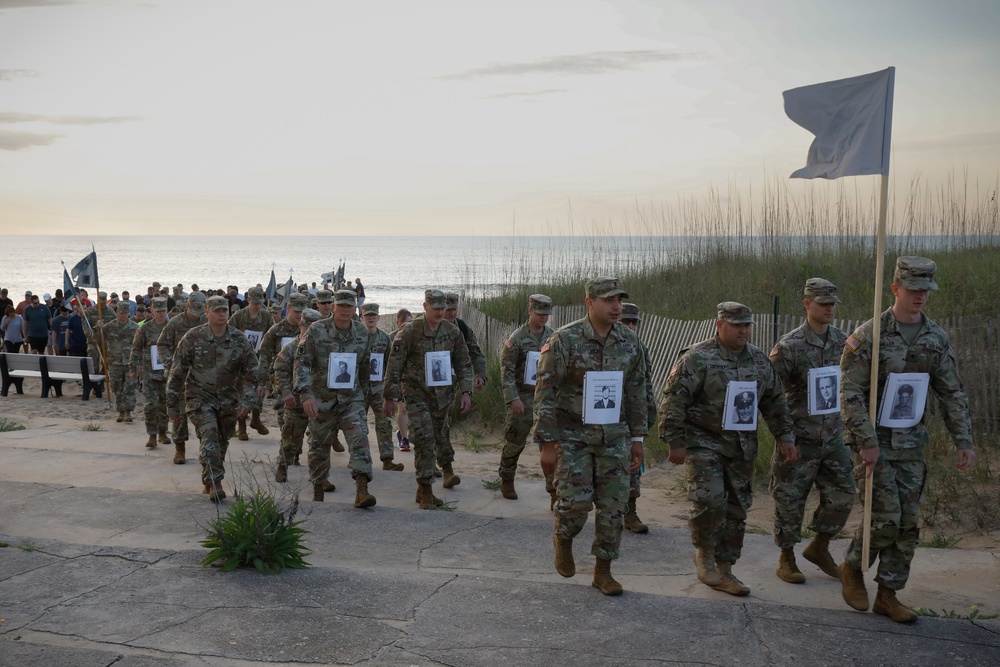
pixel 22 4
pixel 582 64
pixel 527 93
pixel 16 141
pixel 11 117
pixel 961 140
pixel 11 74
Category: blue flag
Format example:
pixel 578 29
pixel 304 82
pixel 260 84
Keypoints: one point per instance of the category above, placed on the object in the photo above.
pixel 69 292
pixel 85 271
pixel 272 288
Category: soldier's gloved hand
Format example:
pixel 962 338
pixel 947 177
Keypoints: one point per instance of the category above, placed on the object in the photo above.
pixel 966 457
pixel 517 406
pixel 309 407
pixel 678 455
pixel 466 403
pixel 389 407
pixel 870 455
pixel 548 458
pixel 290 401
pixel 789 452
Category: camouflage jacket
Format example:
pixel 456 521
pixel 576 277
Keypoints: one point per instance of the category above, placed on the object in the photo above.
pixel 379 343
pixel 475 351
pixel 117 340
pixel 244 321
pixel 282 368
pixel 270 345
pixel 930 353
pixel 312 362
pixel 792 356
pixel 693 402
pixel 221 372
pixel 140 360
pixel 171 336
pixel 514 355
pixel 566 357
pixel 404 374
pixel 647 360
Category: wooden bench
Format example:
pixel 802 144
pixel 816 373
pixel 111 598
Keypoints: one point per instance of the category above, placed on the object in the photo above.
pixel 52 370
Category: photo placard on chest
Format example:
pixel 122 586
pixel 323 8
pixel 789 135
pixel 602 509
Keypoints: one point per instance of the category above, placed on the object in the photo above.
pixel 603 392
pixel 437 368
pixel 342 370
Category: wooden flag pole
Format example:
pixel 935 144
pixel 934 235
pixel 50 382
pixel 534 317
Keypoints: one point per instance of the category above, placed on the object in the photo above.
pixel 873 376
pixel 104 347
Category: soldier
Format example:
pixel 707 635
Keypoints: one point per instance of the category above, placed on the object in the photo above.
pixel 324 303
pixel 719 460
pixel 252 318
pixel 428 403
pixel 154 381
pixel 519 375
pixel 118 335
pixel 294 427
pixel 590 452
pixel 170 337
pixel 330 408
pixel 275 339
pixel 894 457
pixel 378 341
pixel 95 338
pixel 215 369
pixel 631 318
pixel 446 454
pixel 824 459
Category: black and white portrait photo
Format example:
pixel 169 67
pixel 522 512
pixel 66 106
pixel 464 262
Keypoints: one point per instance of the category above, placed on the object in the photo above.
pixel 341 371
pixel 741 406
pixel 437 368
pixel 904 398
pixel 824 390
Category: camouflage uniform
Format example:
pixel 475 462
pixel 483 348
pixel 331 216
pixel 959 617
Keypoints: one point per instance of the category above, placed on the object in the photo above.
pixel 339 409
pixel 513 357
pixel 592 460
pixel 295 423
pixel 154 383
pixel 244 321
pixel 167 343
pixel 271 344
pixel 213 377
pixel 118 342
pixel 900 472
pixel 379 343
pixel 630 311
pixel 427 407
pixel 824 459
pixel 95 339
pixel 719 462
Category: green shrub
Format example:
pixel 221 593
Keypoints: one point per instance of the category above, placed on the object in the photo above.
pixel 9 425
pixel 255 532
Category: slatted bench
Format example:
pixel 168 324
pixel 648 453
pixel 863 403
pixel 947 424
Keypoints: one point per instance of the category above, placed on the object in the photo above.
pixel 52 371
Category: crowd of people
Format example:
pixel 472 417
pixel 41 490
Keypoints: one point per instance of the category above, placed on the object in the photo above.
pixel 218 359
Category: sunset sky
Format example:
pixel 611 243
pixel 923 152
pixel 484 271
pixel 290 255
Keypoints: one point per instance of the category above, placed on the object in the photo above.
pixel 463 117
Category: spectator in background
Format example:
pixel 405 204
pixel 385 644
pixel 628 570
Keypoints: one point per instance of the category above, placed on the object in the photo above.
pixel 37 320
pixel 12 325
pixel 57 336
pixel 128 302
pixel 19 308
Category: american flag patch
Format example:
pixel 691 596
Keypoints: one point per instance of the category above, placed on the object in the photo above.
pixel 852 343
pixel 545 348
pixel 774 352
pixel 398 337
pixel 507 344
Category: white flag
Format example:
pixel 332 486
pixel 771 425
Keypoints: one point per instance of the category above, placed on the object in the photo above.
pixel 852 121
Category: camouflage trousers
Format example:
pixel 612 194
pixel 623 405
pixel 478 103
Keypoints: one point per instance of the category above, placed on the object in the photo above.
pixel 429 434
pixel 154 412
pixel 179 428
pixel 120 381
pixel 592 476
pixel 897 490
pixel 212 426
pixel 383 426
pixel 720 490
pixel 346 417
pixel 515 435
pixel 293 430
pixel 830 468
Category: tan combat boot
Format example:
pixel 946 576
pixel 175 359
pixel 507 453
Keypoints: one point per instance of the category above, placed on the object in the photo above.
pixel 328 486
pixel 151 443
pixel 603 581
pixel 179 453
pixel 241 430
pixel 450 478
pixel 852 587
pixel 787 569
pixel 507 489
pixel 730 584
pixel 256 424
pixel 318 493
pixel 363 499
pixel 564 556
pixel 128 416
pixel 163 438
pixel 281 473
pixel 553 497
pixel 426 497
pixel 121 416
pixel 337 445
pixel 818 553
pixel 632 520
pixel 215 491
pixel 886 604
pixel 387 464
pixel 704 560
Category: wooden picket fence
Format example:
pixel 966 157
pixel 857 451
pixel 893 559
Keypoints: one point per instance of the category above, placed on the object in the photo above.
pixel 975 340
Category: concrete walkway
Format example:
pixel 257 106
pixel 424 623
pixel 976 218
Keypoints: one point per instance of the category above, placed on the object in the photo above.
pixel 103 568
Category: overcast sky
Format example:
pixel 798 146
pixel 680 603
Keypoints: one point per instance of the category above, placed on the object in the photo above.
pixel 464 117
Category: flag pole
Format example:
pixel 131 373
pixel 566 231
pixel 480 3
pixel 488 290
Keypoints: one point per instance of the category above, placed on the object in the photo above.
pixel 876 344
pixel 100 318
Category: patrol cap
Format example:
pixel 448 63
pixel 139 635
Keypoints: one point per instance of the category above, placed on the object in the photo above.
pixel 905 389
pixel 630 312
pixel 298 302
pixel 541 304
pixel 256 295
pixel 915 273
pixel 735 313
pixel 276 309
pixel 451 300
pixel 345 297
pixel 216 302
pixel 159 303
pixel 821 291
pixel 602 287
pixel 196 302
pixel 103 296
pixel 743 400
pixel 435 298
pixel 369 309
pixel 310 315
pixel 324 296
